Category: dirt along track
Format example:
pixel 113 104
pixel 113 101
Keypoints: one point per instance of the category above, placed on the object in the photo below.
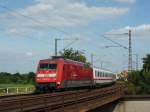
pixel 14 96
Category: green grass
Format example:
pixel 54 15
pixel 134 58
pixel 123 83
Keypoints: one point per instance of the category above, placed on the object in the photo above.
pixel 12 88
pixel 15 85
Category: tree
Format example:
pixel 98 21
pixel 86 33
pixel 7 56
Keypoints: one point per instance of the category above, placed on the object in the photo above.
pixel 138 82
pixel 146 63
pixel 5 78
pixel 75 55
pixel 134 77
pixel 17 78
pixel 30 77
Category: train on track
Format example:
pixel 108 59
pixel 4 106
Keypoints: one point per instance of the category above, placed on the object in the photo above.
pixel 59 73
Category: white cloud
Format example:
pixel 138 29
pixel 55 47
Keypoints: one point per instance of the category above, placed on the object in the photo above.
pixel 64 13
pixel 140 31
pixel 126 1
pixel 58 14
pixel 29 54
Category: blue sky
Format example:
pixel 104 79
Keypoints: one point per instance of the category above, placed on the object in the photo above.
pixel 28 29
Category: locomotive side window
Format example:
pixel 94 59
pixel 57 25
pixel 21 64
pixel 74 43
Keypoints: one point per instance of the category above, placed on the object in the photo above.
pixel 46 66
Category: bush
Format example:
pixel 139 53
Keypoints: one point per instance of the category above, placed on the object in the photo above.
pixel 138 82
pixel 17 78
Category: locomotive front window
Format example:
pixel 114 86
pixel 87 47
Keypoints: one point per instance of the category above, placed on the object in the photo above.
pixel 48 66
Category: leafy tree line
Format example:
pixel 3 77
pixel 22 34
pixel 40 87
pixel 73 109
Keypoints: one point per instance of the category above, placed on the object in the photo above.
pixel 72 54
pixel 138 82
pixel 75 55
pixel 17 78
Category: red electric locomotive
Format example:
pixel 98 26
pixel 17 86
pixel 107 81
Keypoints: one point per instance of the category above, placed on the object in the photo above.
pixel 59 73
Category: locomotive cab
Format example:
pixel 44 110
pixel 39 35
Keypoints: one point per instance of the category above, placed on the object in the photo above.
pixel 46 72
pixel 46 75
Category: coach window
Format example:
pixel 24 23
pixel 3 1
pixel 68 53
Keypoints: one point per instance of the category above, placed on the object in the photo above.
pixel 95 73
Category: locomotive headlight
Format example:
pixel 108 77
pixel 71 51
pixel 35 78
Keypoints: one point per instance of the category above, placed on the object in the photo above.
pixel 51 75
pixel 46 75
pixel 58 82
pixel 40 75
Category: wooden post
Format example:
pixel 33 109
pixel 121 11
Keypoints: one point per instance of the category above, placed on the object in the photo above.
pixel 17 91
pixel 7 91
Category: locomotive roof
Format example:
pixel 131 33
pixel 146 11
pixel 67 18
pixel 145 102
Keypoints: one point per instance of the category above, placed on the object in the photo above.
pixel 103 70
pixel 66 60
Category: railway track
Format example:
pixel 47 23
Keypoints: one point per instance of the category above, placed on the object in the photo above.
pixel 61 101
pixel 12 96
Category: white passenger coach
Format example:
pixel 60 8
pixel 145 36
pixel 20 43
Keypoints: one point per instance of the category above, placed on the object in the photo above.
pixel 103 76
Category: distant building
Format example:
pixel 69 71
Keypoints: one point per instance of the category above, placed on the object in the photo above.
pixel 123 74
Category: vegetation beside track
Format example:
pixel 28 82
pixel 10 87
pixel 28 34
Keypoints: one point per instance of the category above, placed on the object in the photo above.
pixel 8 79
pixel 138 82
pixel 17 83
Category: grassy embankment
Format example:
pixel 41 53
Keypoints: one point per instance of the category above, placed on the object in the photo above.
pixel 12 88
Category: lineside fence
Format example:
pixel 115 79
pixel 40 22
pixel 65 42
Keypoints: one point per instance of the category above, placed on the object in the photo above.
pixel 16 90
